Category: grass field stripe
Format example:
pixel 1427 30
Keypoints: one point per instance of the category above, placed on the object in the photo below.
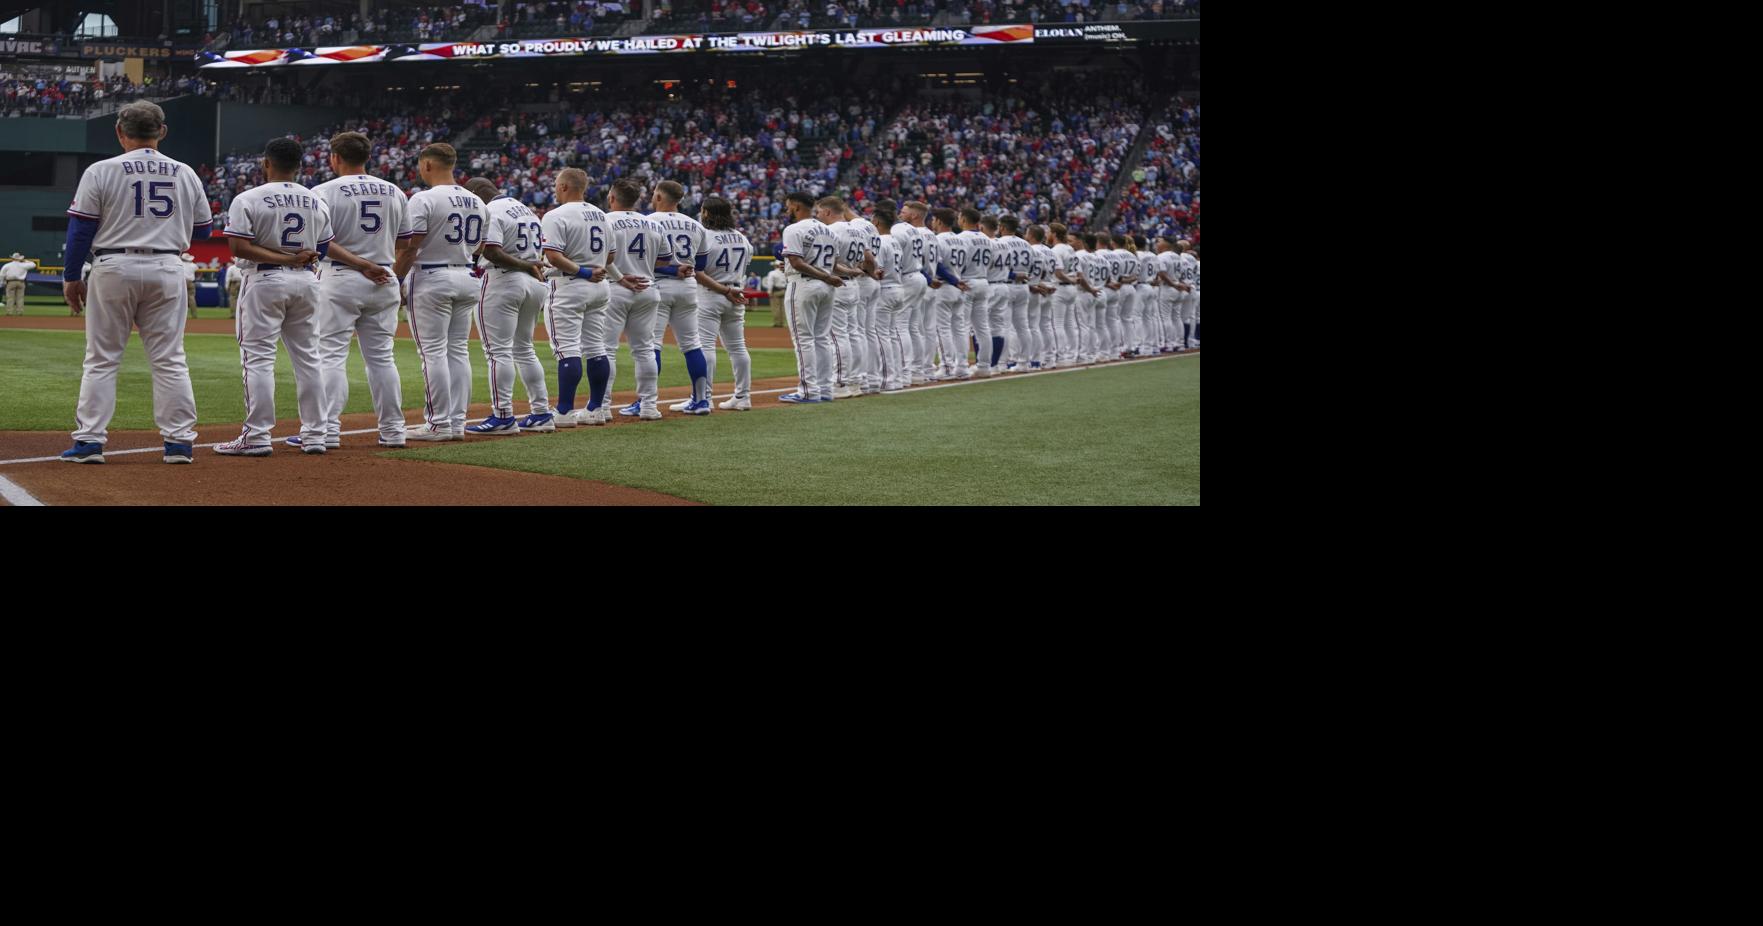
pixel 926 388
pixel 16 496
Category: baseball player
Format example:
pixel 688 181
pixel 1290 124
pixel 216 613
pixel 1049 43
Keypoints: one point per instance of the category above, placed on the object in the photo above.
pixel 1064 270
pixel 189 272
pixel 914 283
pixel 926 354
pixel 887 346
pixel 135 213
pixel 641 252
pixel 1185 267
pixel 357 295
pixel 278 230
pixel 1040 299
pixel 447 223
pixel 1194 305
pixel 722 306
pixel 1168 289
pixel 678 292
pixel 15 273
pixel 235 279
pixel 977 303
pixel 775 281
pixel 866 325
pixel 997 299
pixel 510 299
pixel 853 261
pixel 1131 320
pixel 579 244
pixel 1017 257
pixel 1093 271
pixel 810 251
pixel 954 254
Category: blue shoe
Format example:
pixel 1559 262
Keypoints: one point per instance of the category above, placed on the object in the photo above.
pixel 795 398
pixel 179 453
pixel 537 423
pixel 700 407
pixel 1034 365
pixel 494 425
pixel 632 410
pixel 824 398
pixel 293 441
pixel 84 451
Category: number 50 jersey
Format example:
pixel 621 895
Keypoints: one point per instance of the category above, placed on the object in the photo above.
pixel 451 220
pixel 368 215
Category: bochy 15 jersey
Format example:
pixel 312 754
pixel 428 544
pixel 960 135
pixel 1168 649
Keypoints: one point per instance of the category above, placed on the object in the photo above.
pixel 142 199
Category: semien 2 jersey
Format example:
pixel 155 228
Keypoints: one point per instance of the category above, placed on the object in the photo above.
pixel 142 199
pixel 280 216
pixel 368 215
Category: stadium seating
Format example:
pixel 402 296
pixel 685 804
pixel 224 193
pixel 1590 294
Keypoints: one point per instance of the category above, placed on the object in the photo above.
pixel 1163 195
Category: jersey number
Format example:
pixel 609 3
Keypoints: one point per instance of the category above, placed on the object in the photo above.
pixel 378 223
pixel 639 250
pixel 823 256
pixel 740 261
pixel 596 241
pixel 527 242
pixel 156 197
pixel 469 229
pixel 682 248
pixel 296 224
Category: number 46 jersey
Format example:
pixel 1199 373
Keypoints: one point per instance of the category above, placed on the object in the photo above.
pixel 451 220
pixel 368 215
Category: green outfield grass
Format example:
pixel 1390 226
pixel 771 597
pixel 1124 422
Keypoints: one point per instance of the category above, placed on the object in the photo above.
pixel 1127 435
pixel 40 378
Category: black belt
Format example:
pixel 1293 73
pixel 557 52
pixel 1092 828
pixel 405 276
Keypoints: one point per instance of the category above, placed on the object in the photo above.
pixel 105 252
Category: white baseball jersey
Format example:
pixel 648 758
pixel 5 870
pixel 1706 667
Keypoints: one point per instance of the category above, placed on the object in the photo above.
pixel 684 238
pixel 853 241
pixel 452 221
pixel 1017 256
pixel 580 232
pixel 1169 262
pixel 1066 256
pixel 998 270
pixel 368 215
pixel 724 256
pixel 978 262
pixel 515 229
pixel 1189 267
pixel 910 246
pixel 637 244
pixel 280 216
pixel 1094 267
pixel 932 252
pixel 957 254
pixel 1147 268
pixel 1040 265
pixel 142 199
pixel 891 258
pixel 812 240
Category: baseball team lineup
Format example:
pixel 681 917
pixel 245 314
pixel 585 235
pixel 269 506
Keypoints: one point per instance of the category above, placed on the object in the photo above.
pixel 901 295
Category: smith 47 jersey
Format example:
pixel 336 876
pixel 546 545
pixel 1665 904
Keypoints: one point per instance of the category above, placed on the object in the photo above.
pixel 724 256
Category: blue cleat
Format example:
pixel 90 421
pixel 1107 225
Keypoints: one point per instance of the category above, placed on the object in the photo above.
pixel 632 410
pixel 179 453
pixel 700 407
pixel 85 452
pixel 795 398
pixel 537 423
pixel 494 425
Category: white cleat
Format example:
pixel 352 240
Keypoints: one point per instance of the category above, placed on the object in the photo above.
pixel 430 433
pixel 680 406
pixel 563 419
pixel 649 414
pixel 736 404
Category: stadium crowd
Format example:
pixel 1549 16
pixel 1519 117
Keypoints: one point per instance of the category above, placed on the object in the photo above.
pixel 1163 196
pixel 1051 149
pixel 426 23
pixel 50 92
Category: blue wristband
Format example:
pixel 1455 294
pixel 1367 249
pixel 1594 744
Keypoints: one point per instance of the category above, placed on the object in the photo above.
pixel 586 273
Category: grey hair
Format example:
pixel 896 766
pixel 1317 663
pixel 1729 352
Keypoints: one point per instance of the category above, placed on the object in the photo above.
pixel 141 119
